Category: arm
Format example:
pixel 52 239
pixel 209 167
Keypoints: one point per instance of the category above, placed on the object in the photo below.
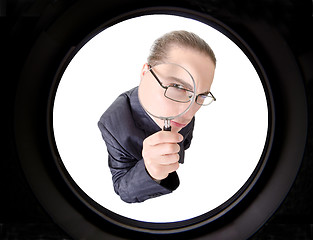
pixel 130 178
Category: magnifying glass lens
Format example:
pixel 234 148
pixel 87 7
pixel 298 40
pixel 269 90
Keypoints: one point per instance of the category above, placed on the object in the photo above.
pixel 166 91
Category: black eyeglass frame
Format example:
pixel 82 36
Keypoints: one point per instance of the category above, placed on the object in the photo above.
pixel 177 86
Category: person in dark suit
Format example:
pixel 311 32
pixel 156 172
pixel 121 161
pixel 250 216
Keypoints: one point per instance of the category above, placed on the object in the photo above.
pixel 143 158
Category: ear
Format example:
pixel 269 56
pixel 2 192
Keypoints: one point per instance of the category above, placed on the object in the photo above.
pixel 144 69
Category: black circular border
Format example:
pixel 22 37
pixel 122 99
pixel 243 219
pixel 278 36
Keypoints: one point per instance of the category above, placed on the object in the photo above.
pixel 195 222
pixel 273 184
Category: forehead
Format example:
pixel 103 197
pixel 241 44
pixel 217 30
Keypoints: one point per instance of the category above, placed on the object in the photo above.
pixel 199 64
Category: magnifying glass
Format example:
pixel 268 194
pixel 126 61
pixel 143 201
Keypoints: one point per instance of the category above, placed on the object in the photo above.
pixel 166 92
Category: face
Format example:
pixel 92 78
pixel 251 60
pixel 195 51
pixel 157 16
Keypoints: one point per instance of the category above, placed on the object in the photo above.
pixel 201 67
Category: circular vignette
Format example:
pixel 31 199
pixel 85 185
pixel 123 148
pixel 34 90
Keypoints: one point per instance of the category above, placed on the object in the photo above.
pixel 195 222
pixel 80 217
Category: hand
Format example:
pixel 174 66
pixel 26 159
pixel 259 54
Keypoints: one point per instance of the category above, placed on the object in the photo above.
pixel 160 153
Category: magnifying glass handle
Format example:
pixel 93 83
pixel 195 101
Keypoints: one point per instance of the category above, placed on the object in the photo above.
pixel 167 125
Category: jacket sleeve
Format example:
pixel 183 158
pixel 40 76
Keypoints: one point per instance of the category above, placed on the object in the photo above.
pixel 131 181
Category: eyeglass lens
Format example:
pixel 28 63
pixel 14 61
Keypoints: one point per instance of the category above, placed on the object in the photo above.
pixel 177 92
pixel 204 99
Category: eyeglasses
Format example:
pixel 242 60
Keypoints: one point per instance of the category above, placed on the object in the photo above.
pixel 180 93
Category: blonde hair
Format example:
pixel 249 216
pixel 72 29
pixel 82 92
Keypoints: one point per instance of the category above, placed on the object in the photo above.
pixel 160 47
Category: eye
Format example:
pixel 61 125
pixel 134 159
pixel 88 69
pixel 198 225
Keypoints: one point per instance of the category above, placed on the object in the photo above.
pixel 181 87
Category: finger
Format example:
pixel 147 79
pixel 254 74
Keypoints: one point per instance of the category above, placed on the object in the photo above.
pixel 164 137
pixel 164 149
pixel 168 159
pixel 171 167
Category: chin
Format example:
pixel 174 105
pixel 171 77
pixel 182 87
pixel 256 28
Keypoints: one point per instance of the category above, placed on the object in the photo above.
pixel 176 129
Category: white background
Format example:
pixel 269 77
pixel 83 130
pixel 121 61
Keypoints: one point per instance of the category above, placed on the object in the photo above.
pixel 229 134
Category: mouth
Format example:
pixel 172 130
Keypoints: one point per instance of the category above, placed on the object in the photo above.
pixel 176 124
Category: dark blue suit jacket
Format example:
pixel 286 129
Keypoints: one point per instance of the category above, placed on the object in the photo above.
pixel 124 126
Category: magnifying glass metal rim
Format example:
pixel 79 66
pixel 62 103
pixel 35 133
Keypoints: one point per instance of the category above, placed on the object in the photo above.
pixel 167 120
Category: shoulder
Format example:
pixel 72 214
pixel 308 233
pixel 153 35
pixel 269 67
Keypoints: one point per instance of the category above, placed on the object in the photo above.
pixel 118 111
pixel 121 103
pixel 117 124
